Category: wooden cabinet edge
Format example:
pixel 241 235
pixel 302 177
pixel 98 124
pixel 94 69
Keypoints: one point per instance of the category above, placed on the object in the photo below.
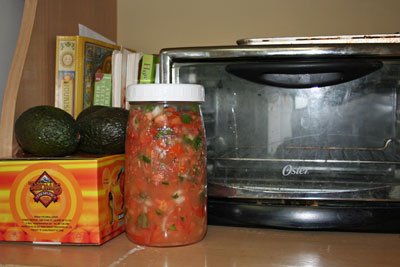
pixel 14 78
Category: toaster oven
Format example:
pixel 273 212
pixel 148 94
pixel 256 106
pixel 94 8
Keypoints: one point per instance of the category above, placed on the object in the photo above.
pixel 301 134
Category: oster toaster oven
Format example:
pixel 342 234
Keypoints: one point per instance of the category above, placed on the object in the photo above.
pixel 302 133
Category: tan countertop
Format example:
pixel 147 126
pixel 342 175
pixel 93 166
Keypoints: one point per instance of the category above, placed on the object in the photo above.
pixel 222 246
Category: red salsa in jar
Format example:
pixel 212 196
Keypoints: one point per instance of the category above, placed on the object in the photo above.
pixel 165 185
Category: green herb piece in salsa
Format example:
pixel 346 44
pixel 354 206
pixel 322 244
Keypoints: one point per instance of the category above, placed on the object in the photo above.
pixel 164 132
pixel 149 108
pixel 181 178
pixel 187 140
pixel 195 108
pixel 142 220
pixel 145 159
pixel 186 118
pixel 197 142
pixel 159 212
pixel 202 196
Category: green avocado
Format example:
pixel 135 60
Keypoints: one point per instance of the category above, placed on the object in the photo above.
pixel 46 131
pixel 89 110
pixel 102 131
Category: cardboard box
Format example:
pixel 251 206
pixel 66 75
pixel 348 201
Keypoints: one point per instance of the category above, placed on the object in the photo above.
pixel 62 201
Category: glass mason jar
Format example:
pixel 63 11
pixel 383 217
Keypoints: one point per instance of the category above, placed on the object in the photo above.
pixel 165 171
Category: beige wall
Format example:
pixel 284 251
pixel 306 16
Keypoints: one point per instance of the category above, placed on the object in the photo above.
pixel 149 25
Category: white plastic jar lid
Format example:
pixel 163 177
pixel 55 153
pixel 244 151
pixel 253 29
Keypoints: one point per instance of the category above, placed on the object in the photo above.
pixel 165 92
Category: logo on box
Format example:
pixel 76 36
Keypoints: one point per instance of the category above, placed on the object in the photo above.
pixel 45 189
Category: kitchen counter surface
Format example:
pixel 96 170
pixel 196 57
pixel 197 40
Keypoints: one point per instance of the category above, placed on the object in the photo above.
pixel 222 246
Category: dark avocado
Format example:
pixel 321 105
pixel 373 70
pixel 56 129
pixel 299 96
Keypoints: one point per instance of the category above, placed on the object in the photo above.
pixel 102 131
pixel 89 110
pixel 47 131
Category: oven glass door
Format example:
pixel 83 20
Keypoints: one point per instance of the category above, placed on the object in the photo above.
pixel 325 129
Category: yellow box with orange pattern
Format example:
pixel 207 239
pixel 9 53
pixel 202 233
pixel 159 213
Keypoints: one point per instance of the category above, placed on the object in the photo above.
pixel 62 201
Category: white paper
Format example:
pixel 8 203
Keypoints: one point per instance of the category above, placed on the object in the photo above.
pixel 87 32
pixel 116 78
pixel 132 71
pixel 157 78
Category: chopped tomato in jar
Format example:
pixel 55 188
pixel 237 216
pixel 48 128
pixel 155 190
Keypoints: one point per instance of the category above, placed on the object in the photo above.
pixel 165 185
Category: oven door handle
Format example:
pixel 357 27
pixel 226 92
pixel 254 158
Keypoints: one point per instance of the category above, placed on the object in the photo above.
pixel 304 73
